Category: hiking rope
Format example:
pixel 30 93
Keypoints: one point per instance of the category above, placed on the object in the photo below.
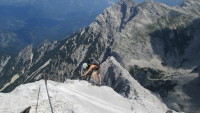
pixel 45 78
pixel 49 99
pixel 37 99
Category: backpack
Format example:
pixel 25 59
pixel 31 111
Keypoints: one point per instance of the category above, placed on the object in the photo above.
pixel 92 61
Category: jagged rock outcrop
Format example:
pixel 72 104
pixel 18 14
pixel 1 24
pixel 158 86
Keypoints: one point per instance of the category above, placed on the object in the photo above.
pixel 115 76
pixel 149 35
pixel 193 5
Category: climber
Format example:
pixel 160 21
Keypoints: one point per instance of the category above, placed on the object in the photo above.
pixel 93 67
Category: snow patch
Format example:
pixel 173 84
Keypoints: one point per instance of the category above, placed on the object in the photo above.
pixel 31 60
pixel 38 70
pixel 15 77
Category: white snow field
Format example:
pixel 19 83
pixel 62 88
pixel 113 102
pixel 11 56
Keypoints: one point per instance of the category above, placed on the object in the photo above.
pixel 73 96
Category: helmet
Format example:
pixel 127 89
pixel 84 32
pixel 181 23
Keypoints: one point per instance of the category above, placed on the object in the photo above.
pixel 85 65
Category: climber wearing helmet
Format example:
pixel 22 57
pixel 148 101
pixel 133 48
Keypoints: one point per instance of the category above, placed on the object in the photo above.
pixel 93 67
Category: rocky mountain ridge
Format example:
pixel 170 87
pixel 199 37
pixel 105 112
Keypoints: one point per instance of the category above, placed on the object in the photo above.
pixel 154 37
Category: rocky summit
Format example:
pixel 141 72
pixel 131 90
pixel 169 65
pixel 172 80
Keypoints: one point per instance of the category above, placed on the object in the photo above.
pixel 155 44
pixel 73 96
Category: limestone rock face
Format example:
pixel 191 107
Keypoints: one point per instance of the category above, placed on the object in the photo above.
pixel 115 76
pixel 73 96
